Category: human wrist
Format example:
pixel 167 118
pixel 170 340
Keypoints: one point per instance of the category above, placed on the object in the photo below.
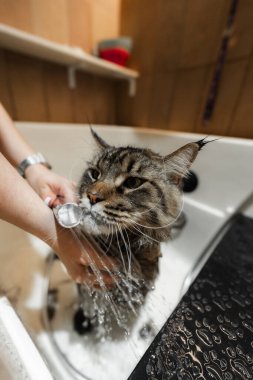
pixel 32 160
pixel 34 171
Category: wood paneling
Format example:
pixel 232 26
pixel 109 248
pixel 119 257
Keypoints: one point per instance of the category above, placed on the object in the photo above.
pixel 57 94
pixel 105 19
pixel 26 85
pixel 94 100
pixel 188 89
pixel 84 95
pixel 104 102
pixel 16 13
pixel 176 46
pixel 170 32
pixel 228 94
pixel 5 95
pixel 203 28
pixel 50 19
pixel 161 99
pixel 135 111
pixel 124 104
pixel 242 122
pixel 144 28
pixel 80 24
pixel 242 36
pixel 35 90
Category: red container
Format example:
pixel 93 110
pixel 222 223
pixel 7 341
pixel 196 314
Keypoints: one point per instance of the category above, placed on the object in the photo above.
pixel 116 55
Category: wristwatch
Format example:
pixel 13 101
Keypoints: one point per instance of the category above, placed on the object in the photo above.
pixel 33 159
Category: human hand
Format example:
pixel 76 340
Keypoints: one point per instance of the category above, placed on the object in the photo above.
pixel 83 262
pixel 51 186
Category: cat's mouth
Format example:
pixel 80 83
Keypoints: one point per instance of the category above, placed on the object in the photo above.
pixel 94 223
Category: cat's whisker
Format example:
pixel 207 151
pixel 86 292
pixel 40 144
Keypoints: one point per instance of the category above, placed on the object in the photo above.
pixel 51 237
pixel 121 254
pixel 114 278
pixel 108 234
pixel 164 225
pixel 92 264
pixel 130 252
pixel 98 274
pixel 142 233
pixel 127 250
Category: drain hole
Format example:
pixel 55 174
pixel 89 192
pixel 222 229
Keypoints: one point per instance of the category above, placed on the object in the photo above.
pixel 190 183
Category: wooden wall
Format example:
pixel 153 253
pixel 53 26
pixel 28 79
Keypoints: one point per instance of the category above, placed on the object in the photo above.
pixel 35 90
pixel 175 48
pixel 73 22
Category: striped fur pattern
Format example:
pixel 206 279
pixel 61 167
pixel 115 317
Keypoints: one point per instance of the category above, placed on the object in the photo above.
pixel 130 197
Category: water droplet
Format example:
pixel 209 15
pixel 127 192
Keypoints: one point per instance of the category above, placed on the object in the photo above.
pixel 240 333
pixel 195 370
pixel 231 352
pixel 213 355
pixel 217 338
pixel 220 304
pixel 198 305
pixel 214 371
pixel 230 333
pixel 248 325
pixel 204 335
pixel 213 328
pixel 239 366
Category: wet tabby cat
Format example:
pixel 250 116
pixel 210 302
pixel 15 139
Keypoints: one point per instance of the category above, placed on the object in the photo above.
pixel 130 197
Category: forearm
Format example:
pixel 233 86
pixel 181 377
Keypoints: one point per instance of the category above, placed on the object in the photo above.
pixel 21 206
pixel 12 144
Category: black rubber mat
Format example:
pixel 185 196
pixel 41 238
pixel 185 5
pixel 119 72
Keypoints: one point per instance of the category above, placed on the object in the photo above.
pixel 210 333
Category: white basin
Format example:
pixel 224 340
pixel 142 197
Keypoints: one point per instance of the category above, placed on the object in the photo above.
pixel 225 174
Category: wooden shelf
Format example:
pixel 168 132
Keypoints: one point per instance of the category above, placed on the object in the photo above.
pixel 72 57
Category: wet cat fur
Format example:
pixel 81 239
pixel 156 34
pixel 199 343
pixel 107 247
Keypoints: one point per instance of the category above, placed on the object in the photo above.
pixel 134 195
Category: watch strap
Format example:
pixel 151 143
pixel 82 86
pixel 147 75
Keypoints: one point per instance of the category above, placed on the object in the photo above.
pixel 33 159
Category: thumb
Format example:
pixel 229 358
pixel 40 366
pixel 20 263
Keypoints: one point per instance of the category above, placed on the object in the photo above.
pixel 48 197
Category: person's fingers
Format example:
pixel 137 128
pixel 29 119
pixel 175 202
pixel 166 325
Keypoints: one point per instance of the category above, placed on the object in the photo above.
pixel 86 276
pixel 104 272
pixel 67 192
pixel 98 258
pixel 47 195
pixel 102 262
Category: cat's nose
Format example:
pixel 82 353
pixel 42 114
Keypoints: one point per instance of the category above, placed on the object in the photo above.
pixel 94 198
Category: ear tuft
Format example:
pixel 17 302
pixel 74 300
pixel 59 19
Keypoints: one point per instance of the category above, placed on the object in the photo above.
pixel 100 142
pixel 203 142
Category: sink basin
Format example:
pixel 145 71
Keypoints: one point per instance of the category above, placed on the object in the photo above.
pixel 225 173
pixel 17 349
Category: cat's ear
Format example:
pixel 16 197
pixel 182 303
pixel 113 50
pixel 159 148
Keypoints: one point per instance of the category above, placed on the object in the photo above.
pixel 100 142
pixel 178 163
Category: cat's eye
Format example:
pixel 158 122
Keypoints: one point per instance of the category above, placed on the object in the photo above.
pixel 94 173
pixel 133 182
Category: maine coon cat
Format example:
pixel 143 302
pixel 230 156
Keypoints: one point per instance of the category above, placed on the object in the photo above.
pixel 130 198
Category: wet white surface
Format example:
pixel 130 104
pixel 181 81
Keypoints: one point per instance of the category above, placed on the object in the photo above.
pixel 225 181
